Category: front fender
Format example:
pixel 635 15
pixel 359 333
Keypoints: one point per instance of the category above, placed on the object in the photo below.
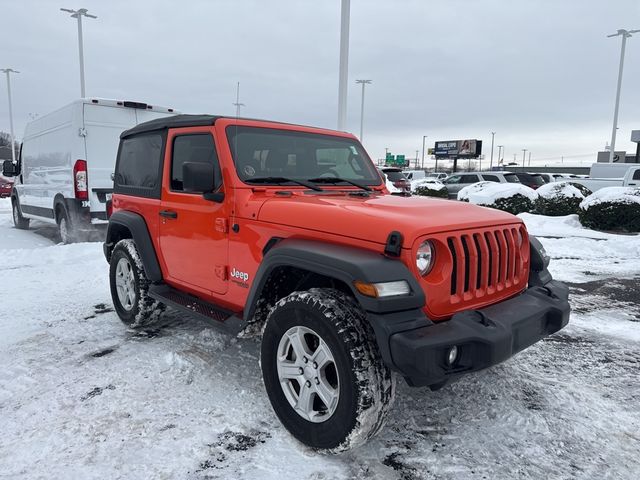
pixel 343 263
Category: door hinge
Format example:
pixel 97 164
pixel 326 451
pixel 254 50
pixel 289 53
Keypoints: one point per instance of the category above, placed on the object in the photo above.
pixel 222 225
pixel 221 272
pixel 82 132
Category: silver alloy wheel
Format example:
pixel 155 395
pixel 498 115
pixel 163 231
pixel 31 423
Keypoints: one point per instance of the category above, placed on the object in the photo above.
pixel 308 374
pixel 125 284
pixel 16 217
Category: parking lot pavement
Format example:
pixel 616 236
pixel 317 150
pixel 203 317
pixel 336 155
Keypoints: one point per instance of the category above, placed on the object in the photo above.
pixel 83 397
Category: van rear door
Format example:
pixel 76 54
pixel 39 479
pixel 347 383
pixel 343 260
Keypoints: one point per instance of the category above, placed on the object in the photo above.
pixel 103 125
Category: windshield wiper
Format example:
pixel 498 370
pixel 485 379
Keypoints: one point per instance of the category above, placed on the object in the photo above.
pixel 281 180
pixel 336 180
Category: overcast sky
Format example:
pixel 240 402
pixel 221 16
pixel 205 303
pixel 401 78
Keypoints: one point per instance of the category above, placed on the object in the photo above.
pixel 542 73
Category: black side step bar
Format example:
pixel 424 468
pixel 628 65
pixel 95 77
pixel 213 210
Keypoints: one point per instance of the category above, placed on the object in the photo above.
pixel 197 307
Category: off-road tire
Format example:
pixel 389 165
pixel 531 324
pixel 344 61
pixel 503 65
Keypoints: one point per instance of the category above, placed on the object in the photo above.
pixel 18 220
pixel 144 309
pixel 366 387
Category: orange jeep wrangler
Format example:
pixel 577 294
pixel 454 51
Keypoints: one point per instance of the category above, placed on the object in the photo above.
pixel 288 232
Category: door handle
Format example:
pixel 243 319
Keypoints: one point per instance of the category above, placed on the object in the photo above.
pixel 168 214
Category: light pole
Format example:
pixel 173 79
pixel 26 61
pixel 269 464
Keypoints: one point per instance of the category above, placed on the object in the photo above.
pixel 500 147
pixel 424 137
pixel 82 12
pixel 625 34
pixel 524 152
pixel 529 159
pixel 344 64
pixel 493 134
pixel 8 72
pixel 237 102
pixel 363 83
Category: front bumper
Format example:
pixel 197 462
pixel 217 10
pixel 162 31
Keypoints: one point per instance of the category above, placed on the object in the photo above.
pixel 483 337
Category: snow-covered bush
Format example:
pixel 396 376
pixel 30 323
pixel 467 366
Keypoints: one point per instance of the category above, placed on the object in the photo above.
pixel 514 198
pixel 431 189
pixel 559 198
pixel 612 208
pixel 584 190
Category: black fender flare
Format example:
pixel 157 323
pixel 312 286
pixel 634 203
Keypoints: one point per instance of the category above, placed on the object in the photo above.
pixel 137 226
pixel 343 263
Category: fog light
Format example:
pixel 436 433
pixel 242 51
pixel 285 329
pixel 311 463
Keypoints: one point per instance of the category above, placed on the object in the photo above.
pixel 452 355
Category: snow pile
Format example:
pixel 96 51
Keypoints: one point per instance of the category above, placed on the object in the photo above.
pixel 554 190
pixel 621 195
pixel 428 183
pixel 486 193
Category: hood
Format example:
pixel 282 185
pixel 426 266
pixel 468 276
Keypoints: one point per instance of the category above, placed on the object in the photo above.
pixel 373 218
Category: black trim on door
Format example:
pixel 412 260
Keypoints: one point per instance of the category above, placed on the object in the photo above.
pixel 38 211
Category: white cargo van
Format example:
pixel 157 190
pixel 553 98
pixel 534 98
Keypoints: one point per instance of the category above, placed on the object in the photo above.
pixel 66 161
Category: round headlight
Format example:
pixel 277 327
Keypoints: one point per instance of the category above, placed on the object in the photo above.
pixel 424 257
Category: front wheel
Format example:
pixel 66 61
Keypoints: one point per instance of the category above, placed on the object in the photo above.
pixel 130 286
pixel 18 220
pixel 322 370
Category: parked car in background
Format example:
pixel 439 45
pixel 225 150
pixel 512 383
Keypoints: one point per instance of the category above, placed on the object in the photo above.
pixel 631 178
pixel 397 178
pixel 437 175
pixel 66 161
pixel 547 177
pixel 414 174
pixel 5 187
pixel 458 181
pixel 531 180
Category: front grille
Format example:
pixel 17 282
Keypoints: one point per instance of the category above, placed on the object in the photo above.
pixel 484 262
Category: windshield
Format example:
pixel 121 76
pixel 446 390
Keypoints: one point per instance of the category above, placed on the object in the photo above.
pixel 260 153
pixel 395 176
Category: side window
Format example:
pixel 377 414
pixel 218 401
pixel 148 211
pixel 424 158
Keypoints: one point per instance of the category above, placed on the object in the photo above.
pixel 193 148
pixel 469 179
pixel 453 179
pixel 636 175
pixel 138 167
pixel 490 178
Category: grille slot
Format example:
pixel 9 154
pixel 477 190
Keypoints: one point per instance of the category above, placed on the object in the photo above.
pixel 484 262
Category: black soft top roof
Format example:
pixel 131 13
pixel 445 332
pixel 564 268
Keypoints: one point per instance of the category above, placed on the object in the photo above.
pixel 188 120
pixel 172 121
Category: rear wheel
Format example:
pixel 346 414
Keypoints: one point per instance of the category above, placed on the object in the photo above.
pixel 130 287
pixel 18 220
pixel 65 229
pixel 322 370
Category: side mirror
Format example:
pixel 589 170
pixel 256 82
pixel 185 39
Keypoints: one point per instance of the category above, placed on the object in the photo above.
pixel 9 169
pixel 200 177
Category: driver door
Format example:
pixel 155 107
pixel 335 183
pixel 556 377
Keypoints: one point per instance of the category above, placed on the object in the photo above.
pixel 193 231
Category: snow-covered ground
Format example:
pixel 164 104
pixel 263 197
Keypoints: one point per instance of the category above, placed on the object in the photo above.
pixel 83 397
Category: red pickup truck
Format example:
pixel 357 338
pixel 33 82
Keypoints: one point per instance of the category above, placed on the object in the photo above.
pixel 289 233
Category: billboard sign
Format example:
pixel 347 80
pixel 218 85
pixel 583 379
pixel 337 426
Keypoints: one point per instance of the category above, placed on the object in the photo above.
pixel 458 149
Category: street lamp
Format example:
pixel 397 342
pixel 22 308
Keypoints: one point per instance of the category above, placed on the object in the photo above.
pixel 237 102
pixel 363 83
pixel 344 64
pixel 493 134
pixel 625 34
pixel 500 147
pixel 524 152
pixel 424 137
pixel 82 12
pixel 8 72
